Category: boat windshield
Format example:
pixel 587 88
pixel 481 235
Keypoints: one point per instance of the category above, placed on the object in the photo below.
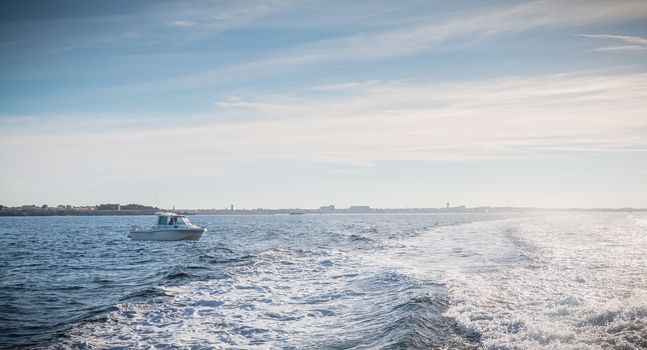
pixel 173 220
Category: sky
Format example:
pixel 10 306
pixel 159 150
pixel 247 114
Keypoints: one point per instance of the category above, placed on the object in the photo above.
pixel 285 104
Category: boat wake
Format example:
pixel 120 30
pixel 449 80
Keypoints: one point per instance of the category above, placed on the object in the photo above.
pixel 400 281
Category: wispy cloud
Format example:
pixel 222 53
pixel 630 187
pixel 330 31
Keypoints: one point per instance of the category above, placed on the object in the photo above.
pixel 628 42
pixel 460 30
pixel 636 40
pixel 131 35
pixel 178 23
pixel 8 43
pixel 508 118
pixel 468 27
pixel 204 18
pixel 208 16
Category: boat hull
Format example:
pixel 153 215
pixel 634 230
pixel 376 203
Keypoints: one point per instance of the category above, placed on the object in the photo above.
pixel 167 235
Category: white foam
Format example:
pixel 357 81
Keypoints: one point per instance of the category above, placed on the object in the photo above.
pixel 582 287
pixel 266 304
pixel 550 282
pixel 639 219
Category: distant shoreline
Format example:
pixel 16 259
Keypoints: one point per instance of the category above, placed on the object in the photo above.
pixel 479 210
pixel 76 212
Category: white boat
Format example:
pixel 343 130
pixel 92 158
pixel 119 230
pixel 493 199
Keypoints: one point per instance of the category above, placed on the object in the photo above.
pixel 169 227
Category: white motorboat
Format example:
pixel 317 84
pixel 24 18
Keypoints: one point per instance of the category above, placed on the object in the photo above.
pixel 169 227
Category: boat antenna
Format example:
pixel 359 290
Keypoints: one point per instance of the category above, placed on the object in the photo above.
pixel 157 202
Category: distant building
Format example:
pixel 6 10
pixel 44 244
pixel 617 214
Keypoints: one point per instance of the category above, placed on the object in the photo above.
pixel 232 207
pixel 360 209
pixel 60 207
pixel 447 205
pixel 327 209
pixel 44 207
pixel 118 207
pixel 29 207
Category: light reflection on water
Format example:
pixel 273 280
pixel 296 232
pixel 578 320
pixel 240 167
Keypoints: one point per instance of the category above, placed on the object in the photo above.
pixel 328 281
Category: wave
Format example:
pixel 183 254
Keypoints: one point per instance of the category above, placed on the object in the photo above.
pixel 418 323
pixel 319 301
pixel 553 281
pixel 560 285
pixel 144 294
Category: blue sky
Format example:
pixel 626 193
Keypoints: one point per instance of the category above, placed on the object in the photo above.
pixel 305 103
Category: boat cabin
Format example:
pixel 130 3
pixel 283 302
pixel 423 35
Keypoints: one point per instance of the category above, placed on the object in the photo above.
pixel 172 219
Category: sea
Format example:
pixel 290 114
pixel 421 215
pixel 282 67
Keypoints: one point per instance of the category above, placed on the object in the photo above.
pixel 374 281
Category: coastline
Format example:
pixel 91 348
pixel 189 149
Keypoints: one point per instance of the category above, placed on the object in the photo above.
pixel 479 210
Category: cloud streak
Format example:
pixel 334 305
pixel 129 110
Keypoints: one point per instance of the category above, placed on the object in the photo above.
pixel 629 43
pixel 179 23
pixel 460 30
pixel 471 27
pixel 207 16
pixel 499 119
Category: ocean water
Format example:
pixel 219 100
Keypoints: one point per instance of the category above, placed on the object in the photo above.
pixel 454 281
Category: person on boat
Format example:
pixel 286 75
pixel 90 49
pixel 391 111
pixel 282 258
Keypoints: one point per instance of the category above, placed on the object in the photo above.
pixel 171 221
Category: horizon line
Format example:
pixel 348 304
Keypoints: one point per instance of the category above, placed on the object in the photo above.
pixel 331 206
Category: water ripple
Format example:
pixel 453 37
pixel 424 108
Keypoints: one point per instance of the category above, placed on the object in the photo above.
pixel 330 281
